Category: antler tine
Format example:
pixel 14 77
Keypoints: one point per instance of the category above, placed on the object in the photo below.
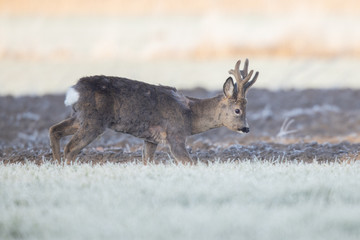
pixel 244 72
pixel 248 77
pixel 250 83
pixel 236 73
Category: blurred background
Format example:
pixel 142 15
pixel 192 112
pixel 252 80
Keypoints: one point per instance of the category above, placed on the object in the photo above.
pixel 45 46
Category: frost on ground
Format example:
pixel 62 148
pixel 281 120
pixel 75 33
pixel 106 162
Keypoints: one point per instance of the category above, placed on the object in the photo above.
pixel 231 200
pixel 273 195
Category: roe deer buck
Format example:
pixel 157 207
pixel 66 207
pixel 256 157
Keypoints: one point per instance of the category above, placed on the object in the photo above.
pixel 153 113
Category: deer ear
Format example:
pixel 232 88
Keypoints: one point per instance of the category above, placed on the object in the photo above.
pixel 229 88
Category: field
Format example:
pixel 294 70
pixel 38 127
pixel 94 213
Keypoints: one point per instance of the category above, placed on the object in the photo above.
pixel 296 175
pixel 303 125
pixel 224 200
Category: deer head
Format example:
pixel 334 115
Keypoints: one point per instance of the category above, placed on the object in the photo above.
pixel 234 115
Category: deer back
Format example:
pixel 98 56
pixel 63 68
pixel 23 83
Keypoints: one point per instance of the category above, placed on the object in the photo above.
pixel 131 106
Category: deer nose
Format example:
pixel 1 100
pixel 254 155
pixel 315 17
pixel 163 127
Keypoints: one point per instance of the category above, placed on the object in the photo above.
pixel 244 129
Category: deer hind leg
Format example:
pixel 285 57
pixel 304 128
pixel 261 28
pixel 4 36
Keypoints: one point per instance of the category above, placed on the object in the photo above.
pixel 178 150
pixel 148 152
pixel 83 137
pixel 56 132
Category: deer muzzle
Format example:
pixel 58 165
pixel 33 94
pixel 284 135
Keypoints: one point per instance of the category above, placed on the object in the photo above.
pixel 244 129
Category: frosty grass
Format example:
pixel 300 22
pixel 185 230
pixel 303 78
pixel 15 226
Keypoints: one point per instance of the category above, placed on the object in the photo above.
pixel 246 200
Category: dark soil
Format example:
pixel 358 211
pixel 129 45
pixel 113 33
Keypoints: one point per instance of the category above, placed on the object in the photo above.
pixel 324 126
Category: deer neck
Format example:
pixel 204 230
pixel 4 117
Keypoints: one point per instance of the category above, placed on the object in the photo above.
pixel 205 114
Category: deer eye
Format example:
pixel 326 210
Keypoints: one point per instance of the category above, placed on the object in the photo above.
pixel 237 111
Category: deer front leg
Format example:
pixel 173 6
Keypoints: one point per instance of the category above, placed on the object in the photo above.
pixel 62 129
pixel 178 150
pixel 148 152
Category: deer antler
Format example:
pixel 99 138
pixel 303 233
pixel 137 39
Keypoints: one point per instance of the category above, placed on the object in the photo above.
pixel 242 78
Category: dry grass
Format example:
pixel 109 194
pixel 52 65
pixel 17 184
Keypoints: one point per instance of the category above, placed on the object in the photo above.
pixel 140 7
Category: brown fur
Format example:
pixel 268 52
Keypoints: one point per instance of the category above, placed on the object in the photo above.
pixel 153 113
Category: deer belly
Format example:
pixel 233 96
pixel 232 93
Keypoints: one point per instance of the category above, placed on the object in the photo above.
pixel 157 134
pixel 152 133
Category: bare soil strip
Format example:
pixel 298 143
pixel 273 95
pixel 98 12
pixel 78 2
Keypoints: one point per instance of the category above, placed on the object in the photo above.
pixel 292 125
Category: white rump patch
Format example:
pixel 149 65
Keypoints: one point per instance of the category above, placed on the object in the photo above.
pixel 72 96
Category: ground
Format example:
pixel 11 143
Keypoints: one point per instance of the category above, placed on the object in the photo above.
pixel 268 194
pixel 301 125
